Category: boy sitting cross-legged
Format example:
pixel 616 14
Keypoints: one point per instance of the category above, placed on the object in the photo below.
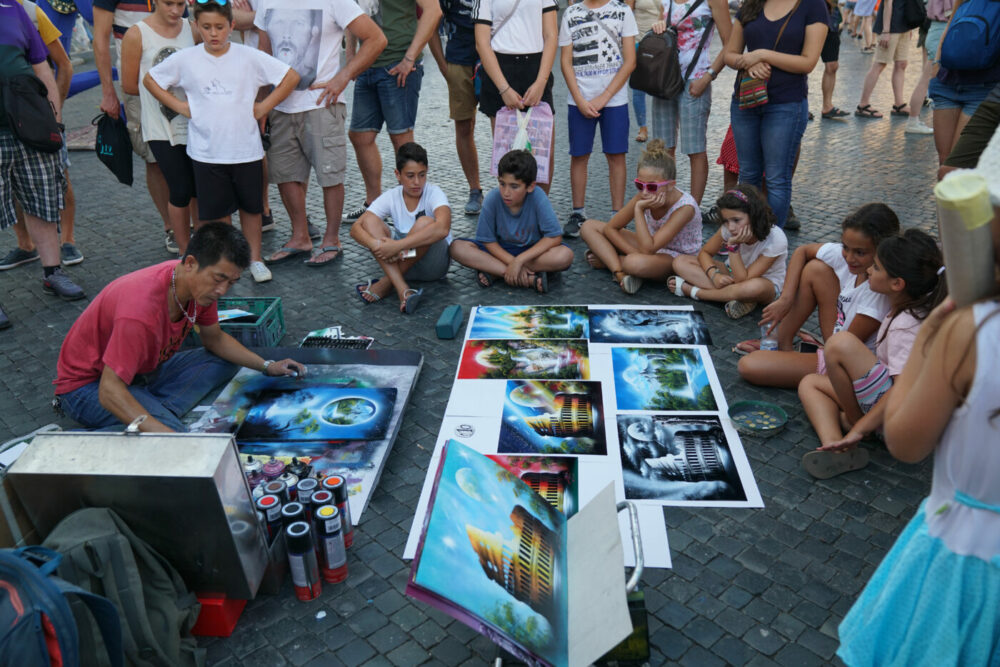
pixel 417 248
pixel 518 236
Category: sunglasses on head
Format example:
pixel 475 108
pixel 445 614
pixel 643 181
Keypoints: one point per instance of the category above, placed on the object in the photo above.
pixel 221 3
pixel 651 187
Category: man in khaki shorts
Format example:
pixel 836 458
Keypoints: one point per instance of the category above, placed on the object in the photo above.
pixel 307 128
pixel 458 66
pixel 893 45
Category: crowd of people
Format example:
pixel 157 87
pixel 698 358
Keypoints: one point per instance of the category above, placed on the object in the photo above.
pixel 215 121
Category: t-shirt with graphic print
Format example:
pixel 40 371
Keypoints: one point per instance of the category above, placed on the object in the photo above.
pixel 306 35
pixel 597 55
pixel 461 46
pixel 853 299
pixel 398 20
pixel 689 34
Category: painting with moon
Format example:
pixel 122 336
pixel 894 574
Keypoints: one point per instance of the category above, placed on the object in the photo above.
pixel 514 322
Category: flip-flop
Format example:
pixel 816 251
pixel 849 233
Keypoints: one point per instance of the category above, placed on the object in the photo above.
pixel 322 251
pixel 809 338
pixel 541 282
pixel 823 464
pixel 411 299
pixel 363 289
pixel 484 280
pixel 747 346
pixel 835 113
pixel 292 253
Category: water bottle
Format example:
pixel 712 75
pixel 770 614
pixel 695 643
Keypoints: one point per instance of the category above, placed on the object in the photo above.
pixel 964 216
pixel 768 341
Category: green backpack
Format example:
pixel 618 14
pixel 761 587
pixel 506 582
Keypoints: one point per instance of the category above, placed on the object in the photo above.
pixel 102 555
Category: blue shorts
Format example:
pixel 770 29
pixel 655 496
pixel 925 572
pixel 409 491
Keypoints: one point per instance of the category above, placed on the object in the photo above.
pixel 514 250
pixel 378 100
pixel 964 97
pixel 614 131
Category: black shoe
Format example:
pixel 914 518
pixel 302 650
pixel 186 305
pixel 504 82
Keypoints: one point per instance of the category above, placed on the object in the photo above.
pixel 792 222
pixel 572 227
pixel 315 233
pixel 59 284
pixel 711 216
pixel 356 213
pixel 267 222
pixel 4 320
pixel 17 257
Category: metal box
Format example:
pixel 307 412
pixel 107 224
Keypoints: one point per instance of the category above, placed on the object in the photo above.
pixel 183 493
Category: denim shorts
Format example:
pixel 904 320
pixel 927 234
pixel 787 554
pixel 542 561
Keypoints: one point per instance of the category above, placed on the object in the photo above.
pixel 689 113
pixel 378 100
pixel 964 97
pixel 614 131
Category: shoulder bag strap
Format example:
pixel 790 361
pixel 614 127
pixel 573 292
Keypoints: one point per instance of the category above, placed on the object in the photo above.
pixel 785 24
pixel 697 53
pixel 615 39
pixel 670 11
pixel 517 3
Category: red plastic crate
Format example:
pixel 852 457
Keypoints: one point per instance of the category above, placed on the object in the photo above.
pixel 218 616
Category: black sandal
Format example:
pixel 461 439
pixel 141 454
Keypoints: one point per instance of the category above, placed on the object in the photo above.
pixel 897 109
pixel 866 111
pixel 484 280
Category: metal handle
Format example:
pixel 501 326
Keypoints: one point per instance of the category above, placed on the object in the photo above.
pixel 633 518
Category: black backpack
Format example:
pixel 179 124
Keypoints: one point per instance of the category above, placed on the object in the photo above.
pixel 113 146
pixel 30 114
pixel 657 67
pixel 37 628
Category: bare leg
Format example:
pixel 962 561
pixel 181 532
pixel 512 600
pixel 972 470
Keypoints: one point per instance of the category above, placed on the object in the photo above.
pixel 820 403
pixel 24 241
pixel 293 196
pixel 180 220
pixel 847 359
pixel 699 175
pixel 616 175
pixel 828 84
pixel 465 146
pixel 158 191
pixel 869 85
pixel 818 288
pixel 67 217
pixel 552 155
pixel 46 239
pixel 369 162
pixel 578 178
pixel 399 139
pixel 592 233
pixel 655 266
pixel 730 179
pixel 553 259
pixel 250 224
pixel 898 75
pixel 777 369
pixel 333 205
pixel 468 254
pixel 920 90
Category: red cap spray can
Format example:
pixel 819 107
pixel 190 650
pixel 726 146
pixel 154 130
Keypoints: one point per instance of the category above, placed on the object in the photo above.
pixel 337 485
pixel 302 561
pixel 270 508
pixel 332 553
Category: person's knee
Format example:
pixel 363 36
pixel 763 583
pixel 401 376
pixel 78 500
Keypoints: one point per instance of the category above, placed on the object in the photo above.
pixel 808 386
pixel 899 65
pixel 590 227
pixel 752 367
pixel 831 68
pixel 815 269
pixel 841 346
pixel 561 256
pixel 460 250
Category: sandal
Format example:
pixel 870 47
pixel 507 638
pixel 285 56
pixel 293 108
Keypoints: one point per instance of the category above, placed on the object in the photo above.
pixel 807 337
pixel 678 286
pixel 823 464
pixel 541 282
pixel 834 114
pixel 593 260
pixel 866 111
pixel 411 299
pixel 484 280
pixel 868 50
pixel 630 284
pixel 643 134
pixel 322 251
pixel 737 309
pixel 365 293
pixel 897 109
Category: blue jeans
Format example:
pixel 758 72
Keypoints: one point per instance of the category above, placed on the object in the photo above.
pixel 379 100
pixel 168 393
pixel 767 141
pixel 639 106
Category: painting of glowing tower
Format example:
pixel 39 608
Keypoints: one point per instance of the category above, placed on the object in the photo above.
pixel 526 566
pixel 552 417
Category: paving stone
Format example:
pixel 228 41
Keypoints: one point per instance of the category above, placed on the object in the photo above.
pixel 818 643
pixel 699 657
pixel 734 622
pixel 355 652
pixel 732 651
pixel 410 653
pixel 302 649
pixel 450 651
pixel 764 639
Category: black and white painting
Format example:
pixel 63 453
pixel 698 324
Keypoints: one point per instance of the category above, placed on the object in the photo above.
pixel 295 35
pixel 665 327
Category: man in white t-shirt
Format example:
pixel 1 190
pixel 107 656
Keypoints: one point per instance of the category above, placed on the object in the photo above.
pixel 307 128
pixel 417 249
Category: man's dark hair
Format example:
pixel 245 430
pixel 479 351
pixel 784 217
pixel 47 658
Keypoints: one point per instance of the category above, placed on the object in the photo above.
pixel 410 152
pixel 214 7
pixel 219 240
pixel 519 164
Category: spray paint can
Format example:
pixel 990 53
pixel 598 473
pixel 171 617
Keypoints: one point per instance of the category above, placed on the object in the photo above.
pixel 270 508
pixel 291 482
pixel 298 468
pixel 253 470
pixel 332 552
pixel 292 512
pixel 318 499
pixel 337 485
pixel 273 469
pixel 302 561
pixel 277 488
pixel 305 490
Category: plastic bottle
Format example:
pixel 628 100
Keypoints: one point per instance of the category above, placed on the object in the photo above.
pixel 768 341
pixel 964 216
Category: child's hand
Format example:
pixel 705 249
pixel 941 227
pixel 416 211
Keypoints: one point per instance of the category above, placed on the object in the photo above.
pixel 587 109
pixel 750 58
pixel 185 110
pixel 659 27
pixel 774 312
pixel 259 110
pixel 760 71
pixel 512 99
pixel 516 274
pixel 743 237
pixel 849 441
pixel 700 85
pixel 386 250
pixel 533 95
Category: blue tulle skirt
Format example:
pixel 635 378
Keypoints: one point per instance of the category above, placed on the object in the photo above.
pixel 925 605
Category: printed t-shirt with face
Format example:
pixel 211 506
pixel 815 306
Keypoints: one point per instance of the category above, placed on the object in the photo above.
pixel 521 33
pixel 20 46
pixel 306 34
pixel 127 328
pixel 597 56
pixel 461 46
pixel 391 203
pixel 221 91
pixel 853 300
pixel 894 341
pixel 398 20
pixel 535 220
pixel 775 245
pixel 690 32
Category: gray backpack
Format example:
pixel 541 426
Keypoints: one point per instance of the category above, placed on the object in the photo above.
pixel 102 555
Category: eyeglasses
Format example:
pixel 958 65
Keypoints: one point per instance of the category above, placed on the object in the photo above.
pixel 650 187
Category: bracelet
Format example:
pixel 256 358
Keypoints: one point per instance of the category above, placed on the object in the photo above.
pixel 409 59
pixel 504 91
pixel 267 363
pixel 713 74
pixel 709 269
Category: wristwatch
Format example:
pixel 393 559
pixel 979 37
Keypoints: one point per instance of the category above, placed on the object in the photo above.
pixel 712 73
pixel 267 363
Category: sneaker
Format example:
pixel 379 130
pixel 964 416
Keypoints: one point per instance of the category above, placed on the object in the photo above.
pixel 17 257
pixel 792 221
pixel 59 284
pixel 475 203
pixel 260 273
pixel 914 126
pixel 356 213
pixel 315 233
pixel 571 229
pixel 171 243
pixel 737 309
pixel 711 216
pixel 267 222
pixel 70 255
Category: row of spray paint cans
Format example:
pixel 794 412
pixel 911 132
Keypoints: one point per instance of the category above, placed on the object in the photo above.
pixel 313 515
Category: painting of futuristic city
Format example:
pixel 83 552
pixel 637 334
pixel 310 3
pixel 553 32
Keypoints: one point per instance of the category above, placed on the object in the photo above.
pixel 552 417
pixel 666 327
pixel 492 555
pixel 554 478
pixel 677 458
pixel 524 359
pixel 519 322
pixel 652 378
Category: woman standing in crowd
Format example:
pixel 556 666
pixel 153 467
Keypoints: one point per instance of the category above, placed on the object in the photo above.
pixel 783 40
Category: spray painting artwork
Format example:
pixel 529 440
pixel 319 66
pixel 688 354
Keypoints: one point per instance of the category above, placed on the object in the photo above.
pixel 524 359
pixel 515 322
pixel 554 478
pixel 677 458
pixel 666 327
pixel 651 378
pixel 493 555
pixel 552 417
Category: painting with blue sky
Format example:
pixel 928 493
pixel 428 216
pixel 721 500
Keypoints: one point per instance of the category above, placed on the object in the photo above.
pixel 493 556
pixel 552 417
pixel 661 378
pixel 514 322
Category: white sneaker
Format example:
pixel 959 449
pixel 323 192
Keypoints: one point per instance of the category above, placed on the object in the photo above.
pixel 914 126
pixel 260 273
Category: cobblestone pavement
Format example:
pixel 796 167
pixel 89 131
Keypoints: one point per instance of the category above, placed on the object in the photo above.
pixel 749 586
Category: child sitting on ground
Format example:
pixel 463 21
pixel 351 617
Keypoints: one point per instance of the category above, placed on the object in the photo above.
pixel 832 277
pixel 518 236
pixel 750 276
pixel 667 224
pixel 417 247
pixel 221 82
pixel 854 390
